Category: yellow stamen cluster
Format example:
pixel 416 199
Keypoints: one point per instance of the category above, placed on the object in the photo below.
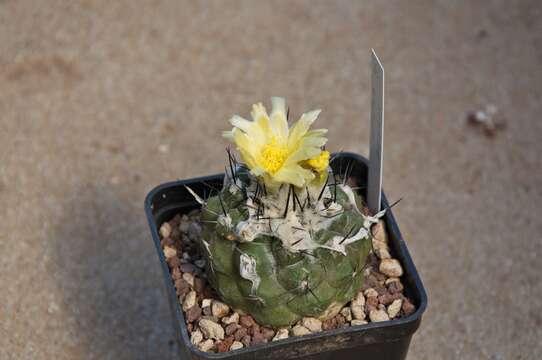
pixel 273 156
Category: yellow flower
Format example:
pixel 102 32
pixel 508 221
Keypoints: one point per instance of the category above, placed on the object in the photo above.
pixel 320 162
pixel 274 151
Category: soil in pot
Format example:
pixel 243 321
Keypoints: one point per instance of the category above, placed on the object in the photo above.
pixel 215 327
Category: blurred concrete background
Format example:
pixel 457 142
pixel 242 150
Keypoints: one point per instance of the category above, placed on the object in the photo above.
pixel 102 100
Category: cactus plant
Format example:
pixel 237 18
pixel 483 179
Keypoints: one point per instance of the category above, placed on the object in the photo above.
pixel 284 238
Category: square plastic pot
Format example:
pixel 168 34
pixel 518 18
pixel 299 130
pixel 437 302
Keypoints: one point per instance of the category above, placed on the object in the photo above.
pixel 382 341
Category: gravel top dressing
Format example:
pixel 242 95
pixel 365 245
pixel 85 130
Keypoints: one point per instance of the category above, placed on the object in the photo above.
pixel 215 327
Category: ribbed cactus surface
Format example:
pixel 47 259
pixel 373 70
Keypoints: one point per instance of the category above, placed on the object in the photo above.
pixel 287 253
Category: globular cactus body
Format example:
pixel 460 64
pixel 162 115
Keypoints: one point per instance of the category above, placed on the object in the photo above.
pixel 287 253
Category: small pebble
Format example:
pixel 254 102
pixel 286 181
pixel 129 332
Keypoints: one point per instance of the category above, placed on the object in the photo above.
pixel 357 322
pixel 240 333
pixel 220 309
pixel 189 278
pixel 165 230
pixel 299 330
pixel 356 306
pixel 379 232
pixel 313 324
pixel 267 332
pixel 347 313
pixel 246 340
pixel 176 274
pixel 206 345
pixel 232 319
pixel 246 321
pixel 206 303
pixel 391 267
pixel 395 287
pixel 258 338
pixel 173 262
pixel 378 315
pixel 200 263
pixel 193 314
pixel 189 300
pixel 382 253
pixel 408 307
pixel 182 287
pixel 236 345
pixel 196 337
pixel 169 252
pixel 282 333
pixel 394 308
pixel 370 293
pixel 231 329
pixel 225 344
pixel 211 329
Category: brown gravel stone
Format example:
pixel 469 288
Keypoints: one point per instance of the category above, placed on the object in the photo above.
pixel 408 308
pixel 246 321
pixel 395 287
pixel 193 314
pixel 340 320
pixel 254 329
pixel 199 285
pixel 176 273
pixel 225 344
pixel 268 333
pixel 329 324
pixel 188 268
pixel 182 287
pixel 173 262
pixel 372 301
pixel 241 333
pixel 258 338
pixel 388 298
pixel 231 329
pixel 246 340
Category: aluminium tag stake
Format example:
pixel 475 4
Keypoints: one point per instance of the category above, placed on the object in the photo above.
pixel 374 187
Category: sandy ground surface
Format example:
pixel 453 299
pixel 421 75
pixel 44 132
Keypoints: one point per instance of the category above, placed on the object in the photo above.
pixel 102 100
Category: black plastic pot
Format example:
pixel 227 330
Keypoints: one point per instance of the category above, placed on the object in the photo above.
pixel 384 340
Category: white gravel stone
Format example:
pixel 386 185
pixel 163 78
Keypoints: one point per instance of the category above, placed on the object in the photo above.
pixel 165 230
pixel 282 333
pixel 189 300
pixel 169 252
pixel 357 322
pixel 357 305
pixel 206 345
pixel 347 313
pixel 394 308
pixel 189 278
pixel 299 330
pixel 391 267
pixel 370 292
pixel 236 345
pixel 232 319
pixel 378 315
pixel 196 337
pixel 211 330
pixel 379 232
pixel 206 302
pixel 313 324
pixel 382 253
pixel 219 309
